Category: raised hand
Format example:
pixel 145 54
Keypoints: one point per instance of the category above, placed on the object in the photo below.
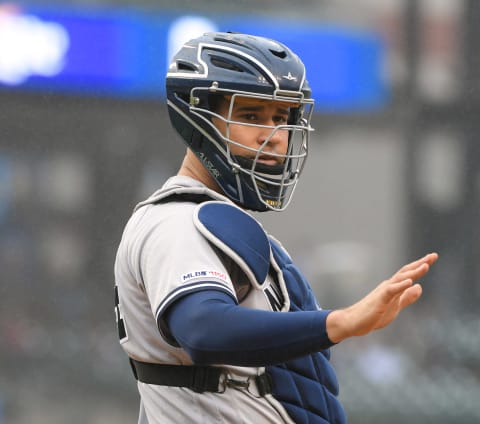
pixel 382 305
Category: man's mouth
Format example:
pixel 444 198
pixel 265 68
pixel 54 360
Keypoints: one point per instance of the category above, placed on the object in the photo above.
pixel 267 164
pixel 269 160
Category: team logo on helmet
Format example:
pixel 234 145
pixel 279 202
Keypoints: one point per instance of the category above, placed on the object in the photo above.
pixel 290 77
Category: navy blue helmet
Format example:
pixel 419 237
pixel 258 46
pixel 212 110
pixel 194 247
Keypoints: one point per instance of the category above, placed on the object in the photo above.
pixel 234 66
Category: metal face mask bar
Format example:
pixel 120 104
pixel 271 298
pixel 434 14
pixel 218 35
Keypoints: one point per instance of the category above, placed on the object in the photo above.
pixel 273 184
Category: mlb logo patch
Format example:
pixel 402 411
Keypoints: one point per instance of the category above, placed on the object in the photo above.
pixel 202 275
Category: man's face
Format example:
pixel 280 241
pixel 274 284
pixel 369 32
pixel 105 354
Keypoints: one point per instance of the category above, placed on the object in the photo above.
pixel 251 138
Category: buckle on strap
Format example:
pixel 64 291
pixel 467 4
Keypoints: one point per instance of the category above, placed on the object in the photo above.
pixel 205 379
pixel 264 384
pixel 237 384
pixel 258 386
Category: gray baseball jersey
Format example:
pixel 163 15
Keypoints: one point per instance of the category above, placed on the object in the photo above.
pixel 161 256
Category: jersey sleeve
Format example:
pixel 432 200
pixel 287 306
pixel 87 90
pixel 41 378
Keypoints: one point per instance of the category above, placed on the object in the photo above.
pixel 243 336
pixel 177 260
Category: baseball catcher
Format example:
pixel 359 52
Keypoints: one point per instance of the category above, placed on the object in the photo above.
pixel 219 324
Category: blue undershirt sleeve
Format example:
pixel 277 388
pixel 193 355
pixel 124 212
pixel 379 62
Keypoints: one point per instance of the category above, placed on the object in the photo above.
pixel 213 329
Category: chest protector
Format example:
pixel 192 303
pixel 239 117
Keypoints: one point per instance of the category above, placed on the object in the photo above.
pixel 306 387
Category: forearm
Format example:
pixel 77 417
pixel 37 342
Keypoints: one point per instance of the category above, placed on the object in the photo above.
pixel 213 329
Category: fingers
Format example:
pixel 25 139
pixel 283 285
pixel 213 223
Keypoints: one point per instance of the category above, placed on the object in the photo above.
pixel 416 269
pixel 429 259
pixel 397 297
pixel 410 295
pixel 395 289
pixel 414 274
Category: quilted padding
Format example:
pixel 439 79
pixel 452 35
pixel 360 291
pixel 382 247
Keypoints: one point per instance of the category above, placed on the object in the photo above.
pixel 307 387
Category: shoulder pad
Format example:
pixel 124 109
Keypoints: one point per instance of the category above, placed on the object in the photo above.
pixel 237 234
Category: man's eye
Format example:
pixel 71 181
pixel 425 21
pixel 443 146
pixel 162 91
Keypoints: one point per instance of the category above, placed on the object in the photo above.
pixel 280 120
pixel 249 117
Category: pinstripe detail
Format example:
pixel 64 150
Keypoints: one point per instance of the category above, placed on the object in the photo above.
pixel 275 297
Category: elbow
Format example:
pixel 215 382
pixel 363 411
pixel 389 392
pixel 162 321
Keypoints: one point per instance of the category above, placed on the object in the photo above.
pixel 197 351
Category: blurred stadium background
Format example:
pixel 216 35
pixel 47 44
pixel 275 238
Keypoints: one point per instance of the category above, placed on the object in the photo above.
pixel 394 172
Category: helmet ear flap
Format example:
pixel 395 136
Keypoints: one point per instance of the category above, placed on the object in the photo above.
pixel 196 141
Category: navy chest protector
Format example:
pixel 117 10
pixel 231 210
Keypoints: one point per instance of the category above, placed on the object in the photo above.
pixel 307 387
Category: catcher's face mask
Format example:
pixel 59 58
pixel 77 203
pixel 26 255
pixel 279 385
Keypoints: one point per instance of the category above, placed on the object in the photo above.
pixel 264 141
pixel 245 70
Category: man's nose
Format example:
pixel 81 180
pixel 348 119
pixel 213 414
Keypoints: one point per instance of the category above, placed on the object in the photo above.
pixel 273 135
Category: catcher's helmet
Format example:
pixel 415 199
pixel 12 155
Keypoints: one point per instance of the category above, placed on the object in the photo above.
pixel 240 66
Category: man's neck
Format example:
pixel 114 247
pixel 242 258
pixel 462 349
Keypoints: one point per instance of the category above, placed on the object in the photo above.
pixel 192 167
